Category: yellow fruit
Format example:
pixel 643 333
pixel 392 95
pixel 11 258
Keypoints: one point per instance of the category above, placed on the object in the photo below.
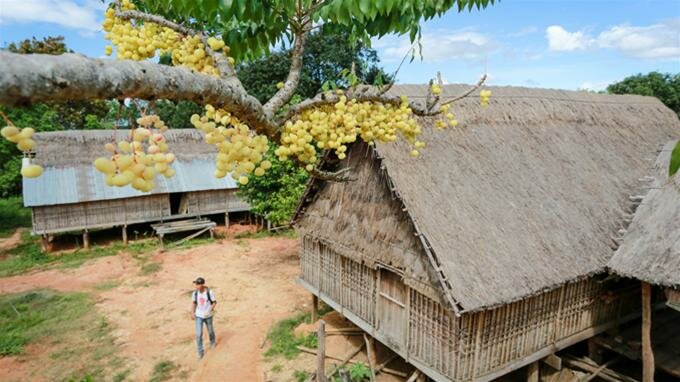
pixel 9 131
pixel 138 183
pixel 243 180
pixel 414 153
pixel 259 171
pixel 104 165
pixel 280 85
pixel 31 171
pixel 26 132
pixel 169 173
pixel 266 164
pixel 124 161
pixel 124 146
pixel 25 144
pixel 110 148
pixel 120 180
pixel 149 173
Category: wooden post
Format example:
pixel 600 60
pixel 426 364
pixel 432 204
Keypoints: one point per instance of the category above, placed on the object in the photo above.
pixel 44 243
pixel 594 352
pixel 370 353
pixel 226 219
pixel 315 308
pixel 321 353
pixel 647 354
pixel 86 239
pixel 533 372
pixel 124 232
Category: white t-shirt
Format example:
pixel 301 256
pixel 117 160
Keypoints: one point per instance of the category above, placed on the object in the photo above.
pixel 203 306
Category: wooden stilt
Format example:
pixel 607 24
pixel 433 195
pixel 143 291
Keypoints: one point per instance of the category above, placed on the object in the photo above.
pixel 86 239
pixel 44 243
pixel 370 353
pixel 647 354
pixel 533 372
pixel 321 353
pixel 315 308
pixel 124 232
pixel 226 219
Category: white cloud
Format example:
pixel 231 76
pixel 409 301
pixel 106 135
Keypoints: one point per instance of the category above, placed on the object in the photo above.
pixel 440 46
pixel 82 15
pixel 657 41
pixel 559 39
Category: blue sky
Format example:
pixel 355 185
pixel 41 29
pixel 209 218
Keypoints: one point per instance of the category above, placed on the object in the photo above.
pixel 537 43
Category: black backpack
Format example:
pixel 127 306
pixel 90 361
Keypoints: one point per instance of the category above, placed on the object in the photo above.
pixel 195 296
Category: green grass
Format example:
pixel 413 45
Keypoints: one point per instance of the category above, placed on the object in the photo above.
pixel 107 285
pixel 283 340
pixel 162 371
pixel 28 256
pixel 150 268
pixel 300 375
pixel 290 233
pixel 13 215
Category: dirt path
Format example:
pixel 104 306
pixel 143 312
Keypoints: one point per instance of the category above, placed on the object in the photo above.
pixel 254 283
pixel 12 241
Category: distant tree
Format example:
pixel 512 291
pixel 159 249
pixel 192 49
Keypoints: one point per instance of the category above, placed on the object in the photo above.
pixel 664 86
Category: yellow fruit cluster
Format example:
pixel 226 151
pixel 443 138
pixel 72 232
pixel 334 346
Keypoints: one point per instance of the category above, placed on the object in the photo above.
pixel 240 150
pixel 333 126
pixel 484 97
pixel 136 161
pixel 436 89
pixel 141 41
pixel 448 119
pixel 23 139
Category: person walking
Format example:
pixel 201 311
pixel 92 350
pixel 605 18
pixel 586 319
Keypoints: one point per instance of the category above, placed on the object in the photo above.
pixel 203 304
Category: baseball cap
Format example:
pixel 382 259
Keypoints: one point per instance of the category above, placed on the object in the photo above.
pixel 199 281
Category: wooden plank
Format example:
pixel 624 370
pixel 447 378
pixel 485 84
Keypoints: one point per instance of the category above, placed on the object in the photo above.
pixel 553 361
pixel 533 372
pixel 647 354
pixel 321 352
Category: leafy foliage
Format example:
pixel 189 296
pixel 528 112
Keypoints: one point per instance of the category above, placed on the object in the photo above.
pixel 250 28
pixel 13 215
pixel 283 339
pixel 275 194
pixel 665 87
pixel 359 372
pixel 325 57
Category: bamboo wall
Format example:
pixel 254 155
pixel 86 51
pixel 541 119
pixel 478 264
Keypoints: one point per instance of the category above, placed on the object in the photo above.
pixel 214 201
pixel 474 344
pixel 104 213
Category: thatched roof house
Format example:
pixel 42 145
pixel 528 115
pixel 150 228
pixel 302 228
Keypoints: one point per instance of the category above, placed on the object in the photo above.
pixel 650 250
pixel 72 195
pixel 508 216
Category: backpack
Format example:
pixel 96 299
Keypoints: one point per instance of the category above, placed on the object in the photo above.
pixel 195 296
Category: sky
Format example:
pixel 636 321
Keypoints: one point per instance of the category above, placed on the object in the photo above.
pixel 576 44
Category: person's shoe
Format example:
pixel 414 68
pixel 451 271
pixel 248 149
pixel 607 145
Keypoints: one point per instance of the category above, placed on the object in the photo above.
pixel 213 345
pixel 200 357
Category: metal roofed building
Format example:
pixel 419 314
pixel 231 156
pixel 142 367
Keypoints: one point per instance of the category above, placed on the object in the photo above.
pixel 71 195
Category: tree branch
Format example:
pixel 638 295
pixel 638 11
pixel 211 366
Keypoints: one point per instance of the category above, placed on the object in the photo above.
pixel 284 94
pixel 29 78
pixel 467 92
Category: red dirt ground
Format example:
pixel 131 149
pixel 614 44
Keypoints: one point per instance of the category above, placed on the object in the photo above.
pixel 254 283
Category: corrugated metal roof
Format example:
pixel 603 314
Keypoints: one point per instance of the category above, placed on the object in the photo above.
pixel 84 183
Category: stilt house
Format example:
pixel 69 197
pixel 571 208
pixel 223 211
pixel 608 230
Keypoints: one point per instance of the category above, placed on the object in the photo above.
pixel 484 254
pixel 650 252
pixel 71 195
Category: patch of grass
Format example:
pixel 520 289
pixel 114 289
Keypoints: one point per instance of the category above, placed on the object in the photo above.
pixel 150 268
pixel 162 371
pixel 27 317
pixel 78 338
pixel 287 232
pixel 300 375
pixel 283 340
pixel 277 368
pixel 28 256
pixel 13 215
pixel 121 376
pixel 107 285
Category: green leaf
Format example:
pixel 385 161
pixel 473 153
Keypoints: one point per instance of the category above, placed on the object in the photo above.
pixel 675 160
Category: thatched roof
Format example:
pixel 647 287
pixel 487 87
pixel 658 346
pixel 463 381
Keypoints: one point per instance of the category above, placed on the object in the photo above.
pixel 70 177
pixel 525 195
pixel 651 246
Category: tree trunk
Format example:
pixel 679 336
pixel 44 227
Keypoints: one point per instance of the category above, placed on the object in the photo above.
pixel 647 354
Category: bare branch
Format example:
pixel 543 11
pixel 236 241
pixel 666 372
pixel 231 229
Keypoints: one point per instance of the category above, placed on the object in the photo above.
pixel 467 92
pixel 284 94
pixel 387 87
pixel 29 78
